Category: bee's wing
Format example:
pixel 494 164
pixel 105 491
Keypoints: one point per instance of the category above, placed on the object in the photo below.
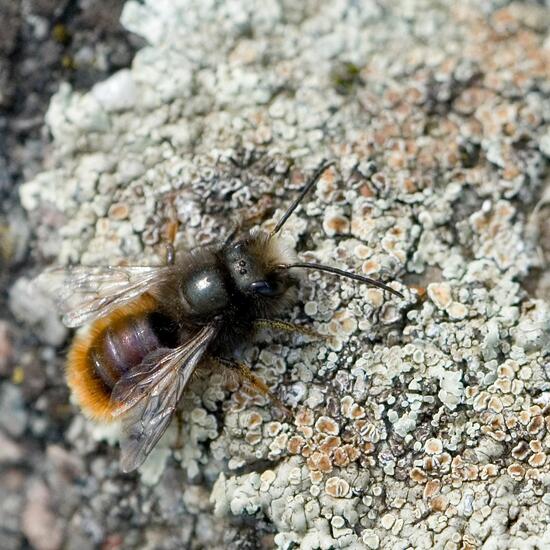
pixel 148 395
pixel 83 294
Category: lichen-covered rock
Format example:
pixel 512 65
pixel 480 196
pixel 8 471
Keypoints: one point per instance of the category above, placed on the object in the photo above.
pixel 421 422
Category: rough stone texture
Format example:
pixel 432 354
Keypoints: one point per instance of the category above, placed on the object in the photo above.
pixel 422 422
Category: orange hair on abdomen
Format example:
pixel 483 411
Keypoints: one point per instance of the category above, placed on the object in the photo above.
pixel 92 394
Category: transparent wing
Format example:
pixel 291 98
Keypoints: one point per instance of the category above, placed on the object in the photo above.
pixel 148 395
pixel 83 294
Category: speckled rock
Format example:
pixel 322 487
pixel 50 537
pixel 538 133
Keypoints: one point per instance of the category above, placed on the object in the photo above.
pixel 39 523
pixel 419 422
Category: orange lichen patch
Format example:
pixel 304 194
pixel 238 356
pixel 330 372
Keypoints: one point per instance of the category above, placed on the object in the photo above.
pixel 439 503
pixel 273 428
pixel 315 476
pixel 470 472
pixel 370 266
pixel 304 417
pixel 524 417
pixel 345 405
pixel 267 478
pixel 495 404
pixel 481 401
pixel 375 297
pixel 295 444
pixel 457 463
pixel 306 431
pixel 420 290
pixel 508 400
pixel 279 443
pixel 408 185
pixel 510 171
pixel 239 400
pixel 429 464
pixel 520 451
pixel 433 446
pixel 343 322
pixel 362 251
pixel 511 422
pixel 253 437
pixel 503 384
pixel 329 444
pixel 536 424
pixel 336 224
pixel 327 425
pixel 537 460
pixel 337 487
pixel 91 393
pixel 516 471
pixel 119 211
pixel 368 447
pixel 103 226
pixel 489 470
pixel 350 409
pixel 320 461
pixel 366 190
pixel 307 450
pixel 498 435
pixel 440 294
pixel 249 395
pixel 496 421
pixel 340 458
pixel 432 487
pixel 418 476
pixel 327 181
pixel 444 461
pixel 254 420
pixel 506 371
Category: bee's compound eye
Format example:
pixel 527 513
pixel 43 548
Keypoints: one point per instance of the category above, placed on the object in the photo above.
pixel 266 288
pixel 239 247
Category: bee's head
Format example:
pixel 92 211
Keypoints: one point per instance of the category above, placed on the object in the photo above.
pixel 259 268
pixel 253 262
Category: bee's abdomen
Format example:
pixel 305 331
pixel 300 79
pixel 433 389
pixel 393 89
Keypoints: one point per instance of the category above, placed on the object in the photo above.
pixel 113 346
pixel 122 347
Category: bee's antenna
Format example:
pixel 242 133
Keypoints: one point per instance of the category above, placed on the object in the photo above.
pixel 342 273
pixel 303 193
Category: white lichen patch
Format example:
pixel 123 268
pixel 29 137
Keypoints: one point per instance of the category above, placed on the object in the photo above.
pixel 419 422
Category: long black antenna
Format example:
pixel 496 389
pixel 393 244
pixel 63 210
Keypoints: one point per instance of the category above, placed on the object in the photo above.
pixel 342 273
pixel 302 194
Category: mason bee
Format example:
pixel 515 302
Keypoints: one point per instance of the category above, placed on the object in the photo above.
pixel 151 327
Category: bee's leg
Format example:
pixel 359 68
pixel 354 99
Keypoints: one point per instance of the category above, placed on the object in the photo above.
pixel 245 374
pixel 178 444
pixel 170 230
pixel 170 254
pixel 234 228
pixel 284 326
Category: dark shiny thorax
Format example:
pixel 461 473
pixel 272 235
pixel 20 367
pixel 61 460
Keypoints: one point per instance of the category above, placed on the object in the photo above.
pixel 231 285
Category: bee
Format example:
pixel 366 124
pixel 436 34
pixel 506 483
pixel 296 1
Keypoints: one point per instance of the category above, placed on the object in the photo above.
pixel 151 327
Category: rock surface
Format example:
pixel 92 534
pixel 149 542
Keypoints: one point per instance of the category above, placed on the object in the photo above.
pixel 425 422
